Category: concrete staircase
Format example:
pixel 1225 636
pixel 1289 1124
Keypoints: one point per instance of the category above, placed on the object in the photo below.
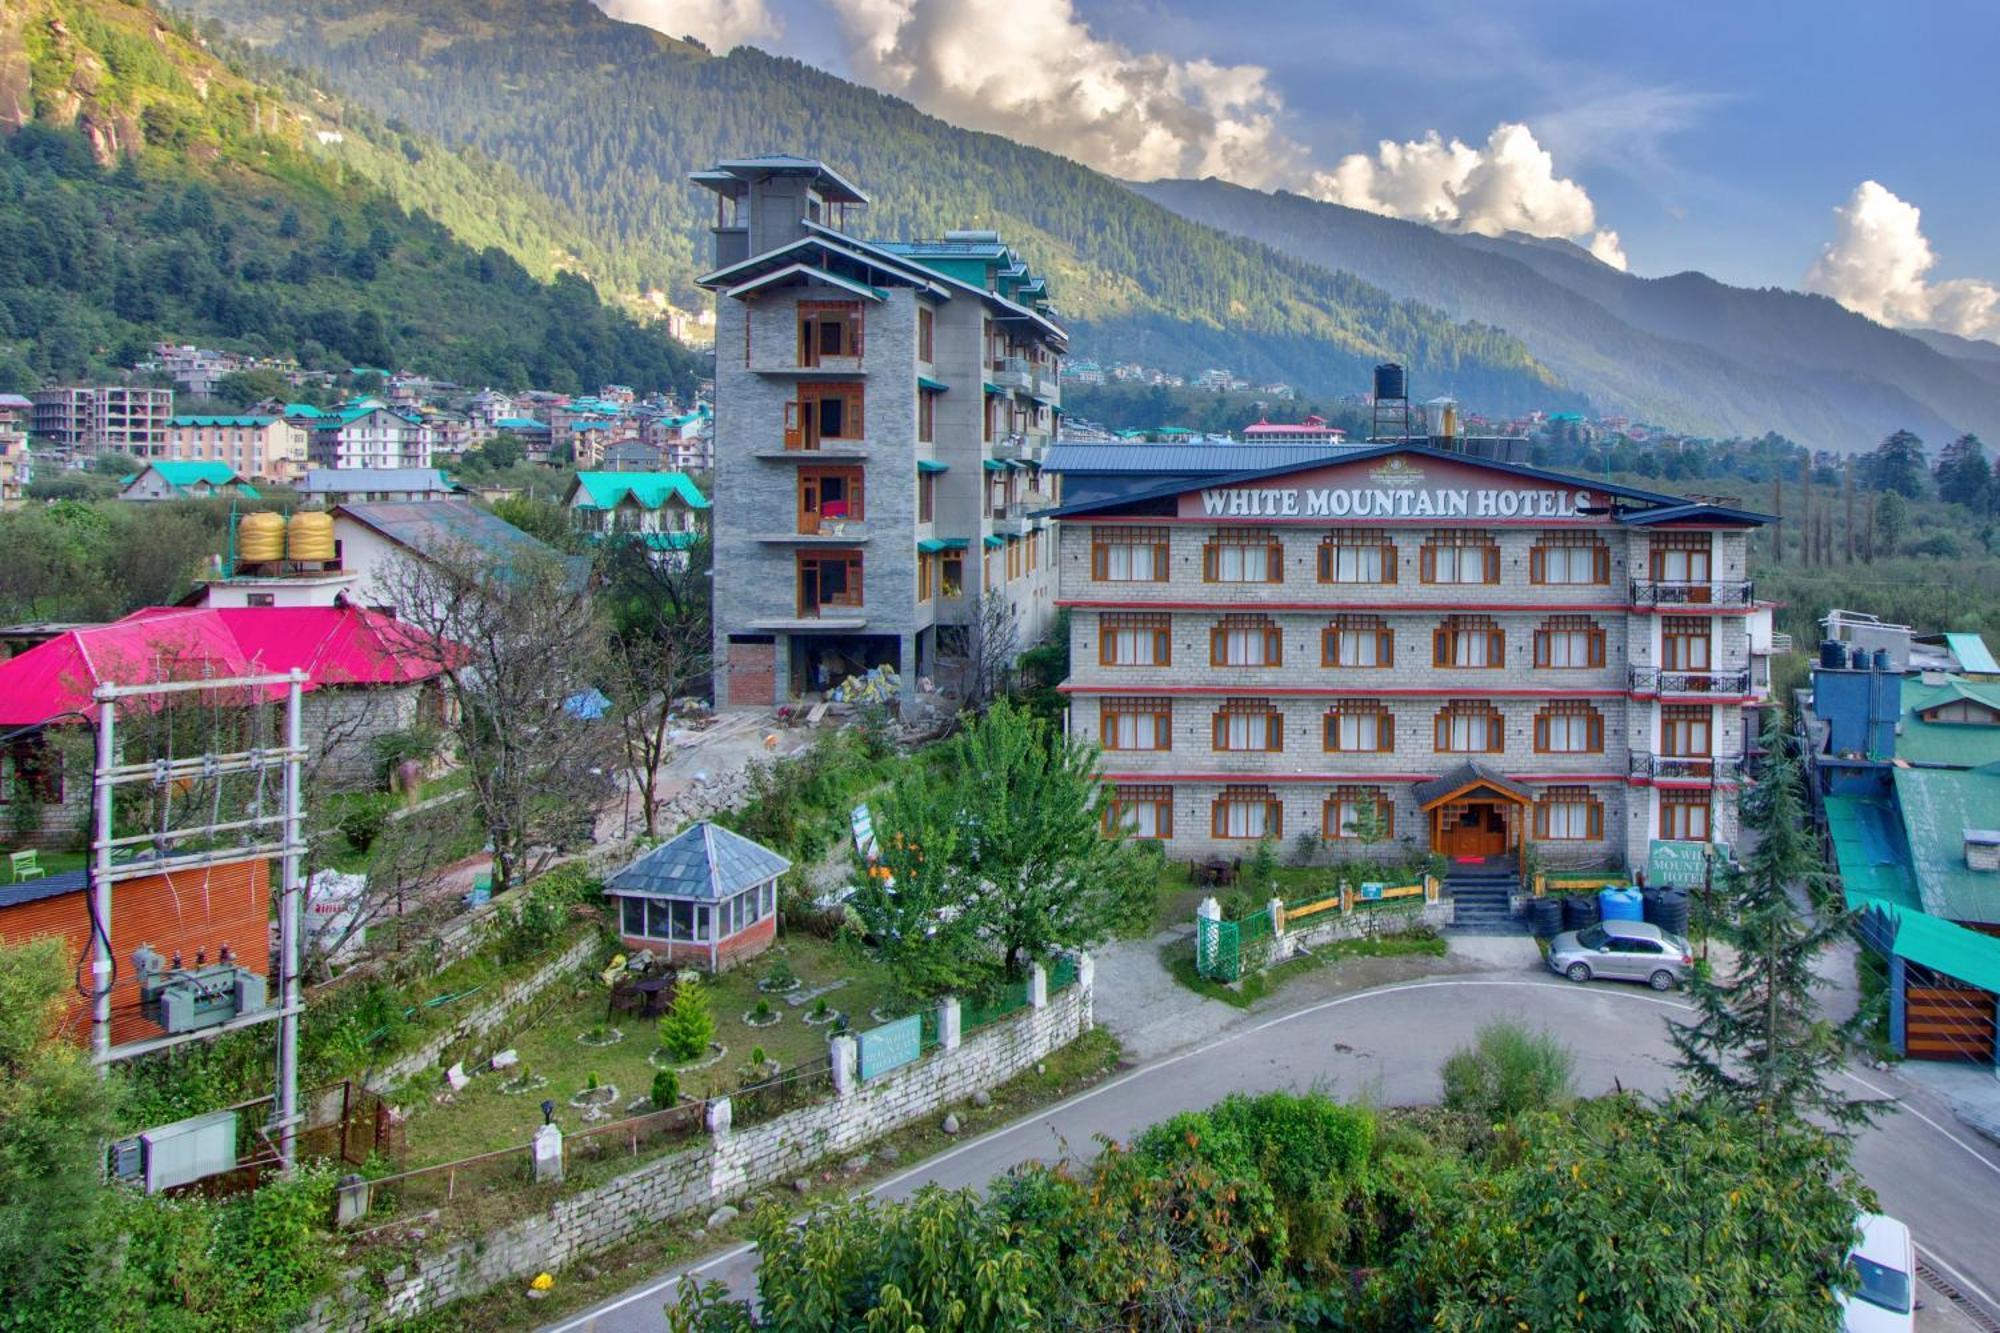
pixel 1479 894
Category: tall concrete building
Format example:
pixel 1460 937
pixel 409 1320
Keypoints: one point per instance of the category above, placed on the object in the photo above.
pixel 881 410
pixel 108 418
pixel 1406 643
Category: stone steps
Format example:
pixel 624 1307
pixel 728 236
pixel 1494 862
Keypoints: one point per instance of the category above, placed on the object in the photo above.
pixel 1480 898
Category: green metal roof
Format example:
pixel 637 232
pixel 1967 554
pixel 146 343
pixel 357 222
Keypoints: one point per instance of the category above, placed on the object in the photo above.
pixel 1948 948
pixel 251 421
pixel 932 545
pixel 1972 653
pixel 993 465
pixel 607 490
pixel 991 387
pixel 1955 744
pixel 926 382
pixel 1868 851
pixel 996 541
pixel 181 474
pixel 928 465
pixel 954 543
pixel 1938 806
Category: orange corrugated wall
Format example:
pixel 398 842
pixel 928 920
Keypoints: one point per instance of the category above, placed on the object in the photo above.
pixel 179 912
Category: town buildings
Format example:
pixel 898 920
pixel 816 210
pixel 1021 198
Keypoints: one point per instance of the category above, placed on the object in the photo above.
pixel 263 448
pixel 16 462
pixel 169 479
pixel 369 434
pixel 1313 430
pixel 666 509
pixel 333 486
pixel 881 409
pixel 1406 642
pixel 112 418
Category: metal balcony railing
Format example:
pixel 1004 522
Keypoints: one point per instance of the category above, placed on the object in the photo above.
pixel 1656 592
pixel 1653 680
pixel 1698 767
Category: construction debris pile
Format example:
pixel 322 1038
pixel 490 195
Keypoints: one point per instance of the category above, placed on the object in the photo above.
pixel 878 686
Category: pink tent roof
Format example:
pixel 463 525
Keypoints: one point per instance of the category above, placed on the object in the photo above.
pixel 334 645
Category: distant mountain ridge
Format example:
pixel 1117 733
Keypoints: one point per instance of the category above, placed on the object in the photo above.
pixel 607 119
pixel 1684 350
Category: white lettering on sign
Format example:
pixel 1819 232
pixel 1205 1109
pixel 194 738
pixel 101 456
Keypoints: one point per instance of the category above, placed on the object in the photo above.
pixel 1373 502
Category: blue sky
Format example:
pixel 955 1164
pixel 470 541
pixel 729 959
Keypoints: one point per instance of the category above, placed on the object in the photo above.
pixel 1693 135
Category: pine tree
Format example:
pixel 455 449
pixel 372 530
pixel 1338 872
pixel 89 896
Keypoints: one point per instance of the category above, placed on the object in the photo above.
pixel 1758 1046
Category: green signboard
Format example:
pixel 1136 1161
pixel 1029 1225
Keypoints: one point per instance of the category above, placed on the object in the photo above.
pixel 1371 892
pixel 891 1045
pixel 1676 865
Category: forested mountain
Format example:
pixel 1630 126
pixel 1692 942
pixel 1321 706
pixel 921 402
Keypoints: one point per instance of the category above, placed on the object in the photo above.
pixel 1685 350
pixel 150 190
pixel 608 118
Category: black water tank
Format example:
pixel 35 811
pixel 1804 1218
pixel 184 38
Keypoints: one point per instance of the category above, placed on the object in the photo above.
pixel 1671 913
pixel 1649 900
pixel 1545 916
pixel 1579 910
pixel 1832 654
pixel 1389 381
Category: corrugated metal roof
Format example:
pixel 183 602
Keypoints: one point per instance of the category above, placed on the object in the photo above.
pixel 347 480
pixel 1972 653
pixel 437 527
pixel 1956 744
pixel 1944 946
pixel 48 886
pixel 606 490
pixel 1869 852
pixel 1222 458
pixel 704 862
pixel 1938 806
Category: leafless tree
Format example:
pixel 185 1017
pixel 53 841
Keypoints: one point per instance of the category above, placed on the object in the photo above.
pixel 519 637
pixel 659 650
pixel 993 642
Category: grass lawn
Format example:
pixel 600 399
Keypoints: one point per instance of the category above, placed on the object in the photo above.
pixel 1178 958
pixel 483 1119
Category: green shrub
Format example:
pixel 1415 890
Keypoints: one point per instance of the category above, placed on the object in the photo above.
pixel 689 1023
pixel 567 885
pixel 1509 1069
pixel 666 1089
pixel 362 818
pixel 421 742
pixel 779 976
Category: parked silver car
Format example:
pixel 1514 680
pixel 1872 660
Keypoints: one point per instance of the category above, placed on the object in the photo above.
pixel 1625 950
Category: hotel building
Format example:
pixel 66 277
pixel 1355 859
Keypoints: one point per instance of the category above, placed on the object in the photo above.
pixel 881 410
pixel 1406 641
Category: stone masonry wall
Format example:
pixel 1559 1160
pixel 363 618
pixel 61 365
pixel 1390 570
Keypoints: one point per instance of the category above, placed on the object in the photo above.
pixel 729 1166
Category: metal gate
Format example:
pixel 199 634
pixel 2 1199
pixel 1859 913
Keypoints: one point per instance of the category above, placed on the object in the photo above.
pixel 1224 949
pixel 1947 1022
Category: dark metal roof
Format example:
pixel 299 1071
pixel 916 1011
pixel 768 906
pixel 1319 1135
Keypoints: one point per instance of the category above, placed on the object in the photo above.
pixel 732 175
pixel 1138 459
pixel 1155 491
pixel 1472 773
pixel 704 862
pixel 48 886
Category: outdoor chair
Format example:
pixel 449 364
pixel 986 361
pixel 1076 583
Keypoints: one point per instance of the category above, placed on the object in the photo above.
pixel 25 866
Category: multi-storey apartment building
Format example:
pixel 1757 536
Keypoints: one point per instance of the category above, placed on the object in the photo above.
pixel 263 448
pixel 1403 641
pixel 16 464
pixel 105 418
pixel 370 435
pixel 881 409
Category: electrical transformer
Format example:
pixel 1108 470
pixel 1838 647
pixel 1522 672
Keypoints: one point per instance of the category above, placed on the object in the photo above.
pixel 187 999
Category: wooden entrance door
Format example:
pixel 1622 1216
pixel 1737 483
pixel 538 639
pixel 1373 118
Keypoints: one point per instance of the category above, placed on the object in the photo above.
pixel 1471 828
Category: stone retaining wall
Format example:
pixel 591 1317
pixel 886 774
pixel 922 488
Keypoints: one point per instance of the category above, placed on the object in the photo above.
pixel 729 1165
pixel 1330 926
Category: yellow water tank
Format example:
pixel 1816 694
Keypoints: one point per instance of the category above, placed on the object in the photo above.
pixel 260 539
pixel 309 536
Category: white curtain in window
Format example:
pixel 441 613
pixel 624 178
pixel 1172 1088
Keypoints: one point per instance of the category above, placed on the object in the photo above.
pixel 1245 819
pixel 1243 647
pixel 1472 731
pixel 1472 648
pixel 1569 564
pixel 1357 564
pixel 1459 564
pixel 1242 564
pixel 1359 648
pixel 1141 819
pixel 1569 734
pixel 1569 648
pixel 1359 731
pixel 1247 731
pixel 1127 564
pixel 1132 647
pixel 1134 731
pixel 1684 566
pixel 1569 819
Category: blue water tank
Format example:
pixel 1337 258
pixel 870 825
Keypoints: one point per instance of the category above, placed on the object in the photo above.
pixel 1621 905
pixel 1881 659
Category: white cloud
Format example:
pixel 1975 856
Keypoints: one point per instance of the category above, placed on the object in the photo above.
pixel 1509 185
pixel 1876 262
pixel 1033 71
pixel 720 24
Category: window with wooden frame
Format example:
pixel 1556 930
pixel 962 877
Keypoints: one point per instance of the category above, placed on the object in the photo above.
pixel 1686 643
pixel 1360 726
pixel 828 329
pixel 1126 723
pixel 1569 726
pixel 1358 641
pixel 830 495
pixel 831 411
pixel 1128 555
pixel 1569 643
pixel 1682 557
pixel 1249 724
pixel 926 416
pixel 926 497
pixel 1243 555
pixel 952 574
pixel 1569 814
pixel 1357 555
pixel 996 409
pixel 1128 639
pixel 1350 811
pixel 1246 641
pixel 1013 558
pixel 1034 550
pixel 1469 641
pixel 1684 814
pixel 927 563
pixel 1459 555
pixel 828 578
pixel 1143 812
pixel 1470 726
pixel 1687 731
pixel 1569 558
pixel 1249 813
pixel 926 334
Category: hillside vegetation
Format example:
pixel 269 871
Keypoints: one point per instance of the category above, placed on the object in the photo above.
pixel 608 118
pixel 1685 351
pixel 149 190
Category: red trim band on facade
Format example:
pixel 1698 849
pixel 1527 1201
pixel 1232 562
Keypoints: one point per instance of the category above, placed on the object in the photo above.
pixel 1335 692
pixel 1261 779
pixel 1601 608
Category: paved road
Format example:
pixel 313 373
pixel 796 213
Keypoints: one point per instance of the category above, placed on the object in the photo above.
pixel 1387 1044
